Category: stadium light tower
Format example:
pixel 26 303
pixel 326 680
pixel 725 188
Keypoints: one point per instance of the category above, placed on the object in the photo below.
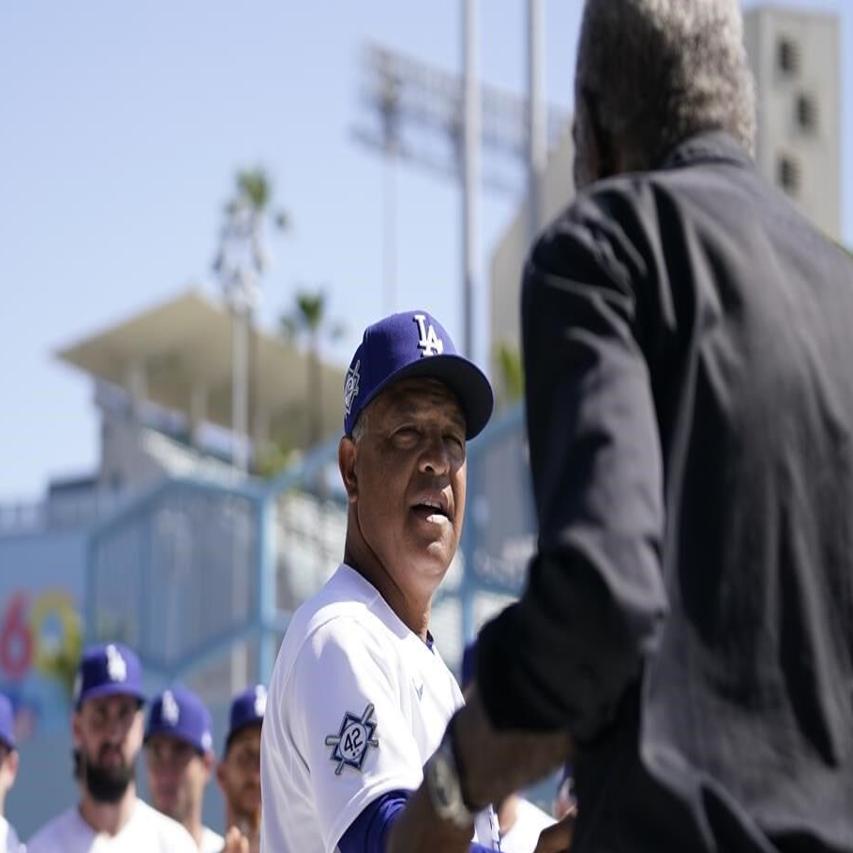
pixel 416 112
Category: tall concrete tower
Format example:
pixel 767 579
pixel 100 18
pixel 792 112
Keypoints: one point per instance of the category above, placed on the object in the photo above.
pixel 795 56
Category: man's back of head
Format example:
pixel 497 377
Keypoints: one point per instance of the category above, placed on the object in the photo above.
pixel 651 73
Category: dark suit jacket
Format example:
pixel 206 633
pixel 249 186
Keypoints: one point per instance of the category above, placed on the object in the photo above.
pixel 688 345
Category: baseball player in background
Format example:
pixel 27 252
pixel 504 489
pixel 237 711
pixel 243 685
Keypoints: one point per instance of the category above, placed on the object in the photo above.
pixel 107 728
pixel 359 696
pixel 180 761
pixel 239 771
pixel 9 842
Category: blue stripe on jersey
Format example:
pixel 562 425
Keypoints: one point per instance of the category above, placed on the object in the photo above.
pixel 368 832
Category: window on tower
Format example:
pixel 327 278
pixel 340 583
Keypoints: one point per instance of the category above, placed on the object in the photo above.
pixel 789 174
pixel 788 57
pixel 806 112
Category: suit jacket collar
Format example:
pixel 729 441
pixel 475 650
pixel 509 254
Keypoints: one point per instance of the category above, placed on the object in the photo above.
pixel 708 146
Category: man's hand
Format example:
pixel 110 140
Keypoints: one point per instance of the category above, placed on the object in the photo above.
pixel 495 764
pixel 420 830
pixel 235 842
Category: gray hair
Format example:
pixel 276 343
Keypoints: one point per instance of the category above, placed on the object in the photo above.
pixel 360 426
pixel 655 72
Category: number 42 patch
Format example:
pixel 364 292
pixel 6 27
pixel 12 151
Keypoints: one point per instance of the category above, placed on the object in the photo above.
pixel 352 741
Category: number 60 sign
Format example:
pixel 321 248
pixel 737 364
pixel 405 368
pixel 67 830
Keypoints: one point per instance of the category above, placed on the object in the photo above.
pixel 22 632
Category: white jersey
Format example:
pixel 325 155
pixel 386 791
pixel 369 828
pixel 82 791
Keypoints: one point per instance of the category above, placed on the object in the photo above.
pixel 523 835
pixel 357 704
pixel 147 831
pixel 9 842
pixel 211 842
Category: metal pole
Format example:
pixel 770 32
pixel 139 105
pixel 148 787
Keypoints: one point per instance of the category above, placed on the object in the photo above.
pixel 389 255
pixel 470 261
pixel 470 171
pixel 536 136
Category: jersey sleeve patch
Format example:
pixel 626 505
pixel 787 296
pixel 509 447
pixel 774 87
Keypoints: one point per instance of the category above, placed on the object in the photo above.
pixel 355 736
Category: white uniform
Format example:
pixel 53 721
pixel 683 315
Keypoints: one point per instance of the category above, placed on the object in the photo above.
pixel 9 841
pixel 211 842
pixel 523 835
pixel 357 704
pixel 147 831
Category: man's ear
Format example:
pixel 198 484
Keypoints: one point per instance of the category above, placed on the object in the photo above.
pixel 12 765
pixel 347 453
pixel 208 759
pixel 596 156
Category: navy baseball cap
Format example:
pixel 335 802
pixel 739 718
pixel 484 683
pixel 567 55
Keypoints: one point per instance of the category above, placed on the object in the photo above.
pixel 107 670
pixel 247 709
pixel 7 722
pixel 178 712
pixel 411 344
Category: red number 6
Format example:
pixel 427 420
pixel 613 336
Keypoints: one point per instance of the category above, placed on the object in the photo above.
pixel 16 639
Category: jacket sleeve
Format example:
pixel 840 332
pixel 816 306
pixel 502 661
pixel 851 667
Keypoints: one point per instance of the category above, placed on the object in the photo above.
pixel 564 655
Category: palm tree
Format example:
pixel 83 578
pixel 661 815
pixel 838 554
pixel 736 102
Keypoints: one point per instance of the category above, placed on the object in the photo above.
pixel 241 254
pixel 241 259
pixel 308 319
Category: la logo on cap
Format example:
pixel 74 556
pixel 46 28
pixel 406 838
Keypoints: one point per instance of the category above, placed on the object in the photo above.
pixel 171 712
pixel 429 342
pixel 116 666
pixel 351 385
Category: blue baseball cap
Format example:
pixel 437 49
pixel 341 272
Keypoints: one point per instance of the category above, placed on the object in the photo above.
pixel 7 722
pixel 108 669
pixel 178 712
pixel 247 709
pixel 411 344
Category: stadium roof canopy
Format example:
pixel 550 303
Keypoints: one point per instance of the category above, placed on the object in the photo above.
pixel 178 356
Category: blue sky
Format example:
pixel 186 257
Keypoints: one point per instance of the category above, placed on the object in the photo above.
pixel 122 128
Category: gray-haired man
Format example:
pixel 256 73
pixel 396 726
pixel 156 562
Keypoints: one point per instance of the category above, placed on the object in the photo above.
pixel 688 619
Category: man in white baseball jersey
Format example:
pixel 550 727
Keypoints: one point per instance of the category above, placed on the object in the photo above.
pixel 9 842
pixel 107 728
pixel 360 697
pixel 180 761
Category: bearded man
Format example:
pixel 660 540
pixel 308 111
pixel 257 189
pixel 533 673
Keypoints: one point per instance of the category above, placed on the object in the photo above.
pixel 107 730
